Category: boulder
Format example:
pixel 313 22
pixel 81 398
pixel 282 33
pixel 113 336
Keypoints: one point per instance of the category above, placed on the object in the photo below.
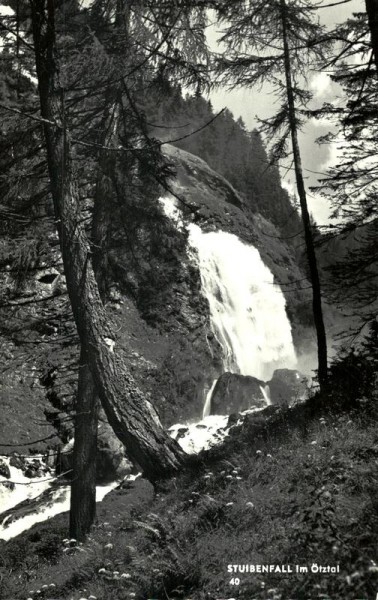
pixel 234 393
pixel 17 461
pixel 4 469
pixel 8 485
pixel 112 463
pixel 181 433
pixel 233 419
pixel 287 386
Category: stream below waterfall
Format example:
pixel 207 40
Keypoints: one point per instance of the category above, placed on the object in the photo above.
pixel 40 498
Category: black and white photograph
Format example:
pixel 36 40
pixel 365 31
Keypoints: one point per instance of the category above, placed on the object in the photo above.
pixel 188 299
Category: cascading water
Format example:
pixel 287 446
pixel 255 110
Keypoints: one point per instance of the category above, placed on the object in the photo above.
pixel 247 309
pixel 207 405
pixel 265 390
pixel 39 499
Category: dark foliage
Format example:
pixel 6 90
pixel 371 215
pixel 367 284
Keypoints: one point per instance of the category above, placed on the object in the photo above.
pixel 228 147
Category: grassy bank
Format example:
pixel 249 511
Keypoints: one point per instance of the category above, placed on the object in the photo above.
pixel 309 497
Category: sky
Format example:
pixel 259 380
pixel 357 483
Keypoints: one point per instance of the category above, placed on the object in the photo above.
pixel 260 103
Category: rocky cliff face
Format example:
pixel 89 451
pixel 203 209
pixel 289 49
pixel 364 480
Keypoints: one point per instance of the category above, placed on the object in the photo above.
pixel 214 204
pixel 161 317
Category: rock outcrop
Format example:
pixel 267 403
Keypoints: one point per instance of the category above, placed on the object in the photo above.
pixel 235 393
pixel 111 461
pixel 287 386
pixel 4 469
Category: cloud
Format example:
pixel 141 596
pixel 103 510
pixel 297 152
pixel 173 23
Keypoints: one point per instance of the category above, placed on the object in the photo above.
pixel 319 207
pixel 321 85
pixel 334 152
pixel 289 187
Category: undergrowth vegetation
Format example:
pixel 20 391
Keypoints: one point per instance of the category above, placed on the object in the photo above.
pixel 308 500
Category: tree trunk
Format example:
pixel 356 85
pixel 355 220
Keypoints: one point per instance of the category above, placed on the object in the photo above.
pixel 132 417
pixel 310 249
pixel 83 486
pixel 102 208
pixel 372 13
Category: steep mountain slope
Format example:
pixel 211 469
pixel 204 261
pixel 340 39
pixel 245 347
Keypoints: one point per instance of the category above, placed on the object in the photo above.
pixel 161 316
pixel 217 205
pixel 349 258
pixel 226 145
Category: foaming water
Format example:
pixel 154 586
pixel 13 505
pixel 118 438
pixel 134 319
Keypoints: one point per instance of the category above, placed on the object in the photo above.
pixel 19 487
pixel 247 309
pixel 194 437
pixel 53 502
pixel 248 318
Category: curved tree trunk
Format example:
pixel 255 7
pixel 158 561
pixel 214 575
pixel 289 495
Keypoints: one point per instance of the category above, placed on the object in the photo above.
pixel 310 249
pixel 132 417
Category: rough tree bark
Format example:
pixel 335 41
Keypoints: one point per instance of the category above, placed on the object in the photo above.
pixel 372 13
pixel 83 486
pixel 132 417
pixel 310 249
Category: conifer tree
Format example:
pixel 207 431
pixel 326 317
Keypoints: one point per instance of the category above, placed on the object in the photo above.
pixel 352 181
pixel 372 14
pixel 131 416
pixel 278 41
pixel 163 38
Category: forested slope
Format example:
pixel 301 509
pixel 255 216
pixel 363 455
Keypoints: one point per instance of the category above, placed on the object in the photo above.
pixel 228 148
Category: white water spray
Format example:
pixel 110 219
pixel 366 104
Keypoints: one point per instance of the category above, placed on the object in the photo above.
pixel 25 488
pixel 265 390
pixel 247 309
pixel 57 502
pixel 56 499
pixel 207 405
pixel 248 318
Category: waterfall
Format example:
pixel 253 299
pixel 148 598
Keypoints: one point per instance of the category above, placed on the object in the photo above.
pixel 265 390
pixel 248 318
pixel 207 405
pixel 247 309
